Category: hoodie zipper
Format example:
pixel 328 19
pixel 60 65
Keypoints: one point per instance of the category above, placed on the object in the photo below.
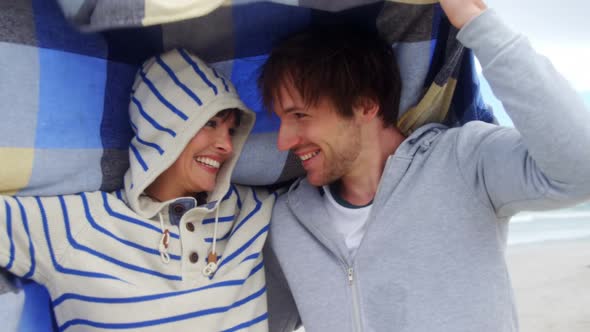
pixel 356 313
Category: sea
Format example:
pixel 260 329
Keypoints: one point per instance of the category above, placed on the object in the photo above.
pixel 556 225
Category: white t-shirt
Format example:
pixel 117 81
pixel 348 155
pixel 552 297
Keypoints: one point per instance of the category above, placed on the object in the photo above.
pixel 350 222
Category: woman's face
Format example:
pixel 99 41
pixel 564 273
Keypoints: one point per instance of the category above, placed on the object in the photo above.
pixel 196 168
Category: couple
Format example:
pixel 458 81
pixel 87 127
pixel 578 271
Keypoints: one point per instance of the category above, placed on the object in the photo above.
pixel 386 232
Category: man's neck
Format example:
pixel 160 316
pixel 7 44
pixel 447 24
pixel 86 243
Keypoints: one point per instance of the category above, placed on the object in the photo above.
pixel 360 185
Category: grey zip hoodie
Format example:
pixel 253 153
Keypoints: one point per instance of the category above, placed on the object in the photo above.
pixel 432 258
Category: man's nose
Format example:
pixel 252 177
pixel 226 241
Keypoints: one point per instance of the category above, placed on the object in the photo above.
pixel 288 137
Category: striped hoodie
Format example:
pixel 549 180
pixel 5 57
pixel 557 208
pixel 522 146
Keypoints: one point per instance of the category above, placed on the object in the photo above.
pixel 122 261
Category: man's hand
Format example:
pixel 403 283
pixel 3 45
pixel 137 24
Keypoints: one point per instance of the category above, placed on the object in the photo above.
pixel 460 12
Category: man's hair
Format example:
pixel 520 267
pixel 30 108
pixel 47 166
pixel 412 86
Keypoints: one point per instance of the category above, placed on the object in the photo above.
pixel 341 63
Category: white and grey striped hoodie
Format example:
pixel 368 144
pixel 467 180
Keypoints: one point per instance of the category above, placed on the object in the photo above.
pixel 102 255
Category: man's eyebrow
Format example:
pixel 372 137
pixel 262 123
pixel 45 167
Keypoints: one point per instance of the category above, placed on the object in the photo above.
pixel 292 109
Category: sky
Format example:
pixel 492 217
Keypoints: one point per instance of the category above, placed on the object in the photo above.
pixel 558 30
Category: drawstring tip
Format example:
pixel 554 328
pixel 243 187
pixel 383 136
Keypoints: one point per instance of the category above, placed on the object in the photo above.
pixel 211 265
pixel 210 269
pixel 164 241
pixel 165 257
pixel 212 258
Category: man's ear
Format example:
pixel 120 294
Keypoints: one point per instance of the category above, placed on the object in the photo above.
pixel 365 109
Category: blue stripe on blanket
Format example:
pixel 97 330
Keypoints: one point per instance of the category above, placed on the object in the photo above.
pixel 67 111
pixel 114 130
pixel 257 38
pixel 244 74
pixel 467 94
pixel 54 32
pixel 36 315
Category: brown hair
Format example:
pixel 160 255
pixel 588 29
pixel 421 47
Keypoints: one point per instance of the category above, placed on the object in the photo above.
pixel 226 113
pixel 342 63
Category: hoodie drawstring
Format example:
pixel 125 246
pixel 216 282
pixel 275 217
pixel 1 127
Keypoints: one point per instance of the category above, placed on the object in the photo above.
pixel 211 266
pixel 163 246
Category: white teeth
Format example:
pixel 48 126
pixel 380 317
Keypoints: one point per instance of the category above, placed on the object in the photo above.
pixel 208 161
pixel 309 155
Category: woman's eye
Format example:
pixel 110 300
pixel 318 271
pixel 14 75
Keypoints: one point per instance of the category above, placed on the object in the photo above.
pixel 211 123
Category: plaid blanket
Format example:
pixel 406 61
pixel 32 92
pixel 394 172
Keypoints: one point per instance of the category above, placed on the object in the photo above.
pixel 64 93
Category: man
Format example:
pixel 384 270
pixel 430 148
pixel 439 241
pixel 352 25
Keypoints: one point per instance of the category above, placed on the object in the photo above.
pixel 395 233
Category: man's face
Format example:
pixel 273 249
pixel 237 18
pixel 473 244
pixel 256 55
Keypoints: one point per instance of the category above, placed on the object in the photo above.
pixel 327 143
pixel 196 168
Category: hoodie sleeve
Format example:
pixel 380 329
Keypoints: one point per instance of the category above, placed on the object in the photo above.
pixel 545 162
pixel 24 238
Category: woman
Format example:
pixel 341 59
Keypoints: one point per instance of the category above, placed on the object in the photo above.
pixel 179 247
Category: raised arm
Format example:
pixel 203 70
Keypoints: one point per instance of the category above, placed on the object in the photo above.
pixel 546 162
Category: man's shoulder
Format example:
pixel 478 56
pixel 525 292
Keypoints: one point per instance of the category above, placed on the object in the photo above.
pixel 299 194
pixel 472 128
pixel 475 135
pixel 470 134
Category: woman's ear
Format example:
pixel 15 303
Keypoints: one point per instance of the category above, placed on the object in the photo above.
pixel 365 109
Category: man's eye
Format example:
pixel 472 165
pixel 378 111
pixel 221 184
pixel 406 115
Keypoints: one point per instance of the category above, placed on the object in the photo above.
pixel 211 123
pixel 299 115
pixel 232 132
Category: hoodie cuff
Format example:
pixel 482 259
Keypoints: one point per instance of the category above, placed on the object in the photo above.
pixel 486 34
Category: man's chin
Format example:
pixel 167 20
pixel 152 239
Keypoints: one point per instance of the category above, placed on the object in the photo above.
pixel 316 180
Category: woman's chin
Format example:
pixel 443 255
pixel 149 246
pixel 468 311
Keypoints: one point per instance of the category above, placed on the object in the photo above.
pixel 204 187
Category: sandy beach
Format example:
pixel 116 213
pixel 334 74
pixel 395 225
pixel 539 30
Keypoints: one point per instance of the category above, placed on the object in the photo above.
pixel 552 285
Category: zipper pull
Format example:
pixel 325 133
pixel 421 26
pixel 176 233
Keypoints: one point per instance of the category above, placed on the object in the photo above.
pixel 350 275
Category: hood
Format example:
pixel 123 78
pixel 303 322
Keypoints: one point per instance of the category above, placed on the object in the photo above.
pixel 173 97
